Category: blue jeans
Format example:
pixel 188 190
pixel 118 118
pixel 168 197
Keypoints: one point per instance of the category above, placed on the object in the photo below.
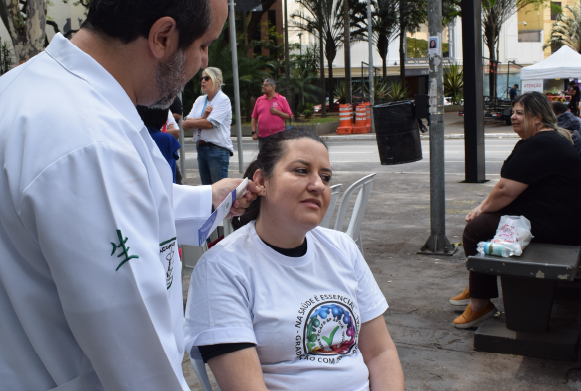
pixel 212 163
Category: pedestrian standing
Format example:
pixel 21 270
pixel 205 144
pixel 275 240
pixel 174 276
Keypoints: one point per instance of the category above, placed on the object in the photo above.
pixel 211 120
pixel 90 277
pixel 513 92
pixel 270 112
pixel 575 95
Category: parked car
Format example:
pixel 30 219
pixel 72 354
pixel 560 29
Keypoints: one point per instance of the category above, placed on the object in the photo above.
pixel 317 108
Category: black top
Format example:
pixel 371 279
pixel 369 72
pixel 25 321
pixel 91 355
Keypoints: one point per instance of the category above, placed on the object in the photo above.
pixel 176 106
pixel 551 166
pixel 577 95
pixel 210 351
pixel 513 93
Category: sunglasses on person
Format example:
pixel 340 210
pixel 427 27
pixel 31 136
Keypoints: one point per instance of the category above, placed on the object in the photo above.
pixel 206 78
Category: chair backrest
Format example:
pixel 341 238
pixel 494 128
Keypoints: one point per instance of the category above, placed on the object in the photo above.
pixel 364 185
pixel 192 254
pixel 335 189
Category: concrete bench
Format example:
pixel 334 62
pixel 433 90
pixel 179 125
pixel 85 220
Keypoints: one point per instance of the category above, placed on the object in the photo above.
pixel 528 288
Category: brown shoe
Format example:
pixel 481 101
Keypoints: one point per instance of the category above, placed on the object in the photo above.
pixel 462 299
pixel 472 318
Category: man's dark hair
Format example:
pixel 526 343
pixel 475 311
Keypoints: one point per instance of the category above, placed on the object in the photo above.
pixel 268 157
pixel 572 82
pixel 559 108
pixel 516 86
pixel 127 20
pixel 153 118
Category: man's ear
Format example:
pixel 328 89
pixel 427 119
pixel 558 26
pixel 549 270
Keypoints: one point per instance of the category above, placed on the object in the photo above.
pixel 163 37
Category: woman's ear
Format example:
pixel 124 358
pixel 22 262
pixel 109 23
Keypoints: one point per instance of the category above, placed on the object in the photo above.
pixel 260 180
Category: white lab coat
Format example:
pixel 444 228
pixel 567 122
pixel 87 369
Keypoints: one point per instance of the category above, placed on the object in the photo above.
pixel 78 168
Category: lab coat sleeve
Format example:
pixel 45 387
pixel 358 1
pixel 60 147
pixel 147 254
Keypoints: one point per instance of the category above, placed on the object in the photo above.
pixel 79 210
pixel 192 206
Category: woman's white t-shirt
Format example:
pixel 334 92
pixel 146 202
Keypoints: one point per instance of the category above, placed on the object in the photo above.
pixel 220 118
pixel 304 314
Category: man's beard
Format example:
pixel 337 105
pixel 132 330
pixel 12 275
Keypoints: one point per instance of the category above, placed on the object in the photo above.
pixel 170 79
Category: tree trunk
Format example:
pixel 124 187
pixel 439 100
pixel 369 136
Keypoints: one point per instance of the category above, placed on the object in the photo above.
pixel 491 78
pixel 347 49
pixel 331 87
pixel 382 48
pixel 322 70
pixel 402 37
pixel 26 31
pixel 331 53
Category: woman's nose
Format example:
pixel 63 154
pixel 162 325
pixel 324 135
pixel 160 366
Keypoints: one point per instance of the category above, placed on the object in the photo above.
pixel 317 185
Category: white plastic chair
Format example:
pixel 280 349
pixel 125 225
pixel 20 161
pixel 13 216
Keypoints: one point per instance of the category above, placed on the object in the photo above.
pixel 335 189
pixel 353 230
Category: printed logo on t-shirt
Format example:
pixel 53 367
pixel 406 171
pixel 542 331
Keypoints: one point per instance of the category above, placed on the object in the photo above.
pixel 327 327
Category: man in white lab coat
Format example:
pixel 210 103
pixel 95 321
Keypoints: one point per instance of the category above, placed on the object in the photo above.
pixel 90 287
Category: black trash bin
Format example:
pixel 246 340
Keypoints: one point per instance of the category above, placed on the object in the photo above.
pixel 397 133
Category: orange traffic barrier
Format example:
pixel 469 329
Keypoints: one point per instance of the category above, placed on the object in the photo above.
pixel 368 116
pixel 360 119
pixel 345 119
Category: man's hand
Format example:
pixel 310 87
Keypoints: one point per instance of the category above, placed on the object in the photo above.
pixel 274 111
pixel 255 136
pixel 222 188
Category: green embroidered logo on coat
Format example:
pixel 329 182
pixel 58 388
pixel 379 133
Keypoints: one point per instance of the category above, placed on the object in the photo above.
pixel 124 249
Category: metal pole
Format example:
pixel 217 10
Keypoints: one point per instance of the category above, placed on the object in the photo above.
pixel 437 243
pixel 371 73
pixel 234 47
pixel 473 93
pixel 287 59
pixel 183 148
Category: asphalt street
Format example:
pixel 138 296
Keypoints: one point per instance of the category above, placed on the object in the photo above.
pixel 362 156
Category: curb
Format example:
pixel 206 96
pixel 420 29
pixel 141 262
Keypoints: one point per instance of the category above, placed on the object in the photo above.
pixel 371 136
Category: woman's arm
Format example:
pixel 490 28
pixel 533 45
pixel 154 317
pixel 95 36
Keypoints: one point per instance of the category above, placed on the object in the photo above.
pixel 503 193
pixel 380 356
pixel 196 123
pixel 238 371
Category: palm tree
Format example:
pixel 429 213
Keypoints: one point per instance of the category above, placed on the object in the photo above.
pixel 384 27
pixel 566 30
pixel 495 13
pixel 411 14
pixel 326 23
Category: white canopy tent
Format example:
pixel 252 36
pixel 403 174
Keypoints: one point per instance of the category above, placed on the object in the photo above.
pixel 563 64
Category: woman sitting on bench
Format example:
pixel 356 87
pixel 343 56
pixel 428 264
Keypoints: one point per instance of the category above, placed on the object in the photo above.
pixel 541 180
pixel 282 304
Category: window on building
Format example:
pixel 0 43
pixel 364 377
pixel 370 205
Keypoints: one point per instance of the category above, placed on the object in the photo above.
pixel 555 9
pixel 529 36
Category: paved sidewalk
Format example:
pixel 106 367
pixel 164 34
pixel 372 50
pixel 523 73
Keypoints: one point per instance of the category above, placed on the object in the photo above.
pixel 435 355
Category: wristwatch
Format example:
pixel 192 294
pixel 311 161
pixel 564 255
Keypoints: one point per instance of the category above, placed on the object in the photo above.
pixel 253 132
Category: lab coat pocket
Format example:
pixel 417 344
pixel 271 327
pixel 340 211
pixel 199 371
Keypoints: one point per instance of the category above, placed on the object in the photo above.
pixel 72 385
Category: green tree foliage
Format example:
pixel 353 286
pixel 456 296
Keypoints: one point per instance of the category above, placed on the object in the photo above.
pixel 566 30
pixel 454 83
pixel 5 57
pixel 304 70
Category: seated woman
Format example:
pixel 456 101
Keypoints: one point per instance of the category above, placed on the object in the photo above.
pixel 282 304
pixel 541 180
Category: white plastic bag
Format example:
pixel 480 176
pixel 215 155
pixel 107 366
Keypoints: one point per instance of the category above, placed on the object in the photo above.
pixel 513 233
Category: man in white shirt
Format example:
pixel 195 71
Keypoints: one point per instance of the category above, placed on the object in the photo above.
pixel 90 287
